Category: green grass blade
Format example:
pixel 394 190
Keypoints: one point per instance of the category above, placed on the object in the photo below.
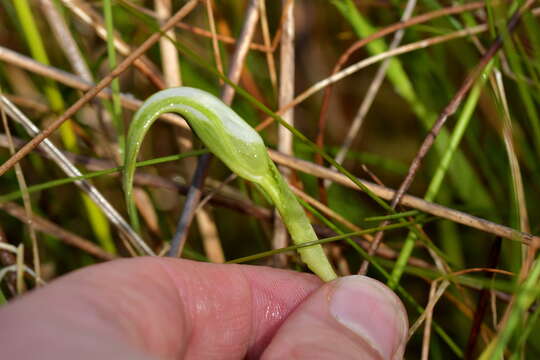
pixel 462 173
pixel 115 84
pixel 98 220
pixel 437 180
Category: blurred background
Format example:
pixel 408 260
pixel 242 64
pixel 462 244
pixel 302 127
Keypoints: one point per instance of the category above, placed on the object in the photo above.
pixel 413 60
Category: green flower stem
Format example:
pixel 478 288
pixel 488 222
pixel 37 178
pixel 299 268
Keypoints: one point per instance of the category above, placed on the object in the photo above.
pixel 235 143
pixel 297 223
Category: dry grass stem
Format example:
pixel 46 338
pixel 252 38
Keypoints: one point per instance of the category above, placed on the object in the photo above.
pixel 25 269
pixel 407 200
pixel 47 227
pixel 241 51
pixel 170 61
pixel 70 170
pixel 147 210
pixel 285 137
pixel 235 71
pixel 209 232
pixel 267 42
pixel 422 44
pixel 448 111
pixel 229 40
pixel 371 93
pixel 76 82
pixel 26 197
pixel 8 255
pixel 220 195
pixel 517 180
pixel 87 14
pixel 388 30
pixel 223 38
pixel 214 36
pixel 65 39
pixel 19 270
pixel 435 294
pixel 95 90
pixel 329 212
pixel 31 104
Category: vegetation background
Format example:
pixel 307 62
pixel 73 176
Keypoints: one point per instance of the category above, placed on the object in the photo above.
pixel 465 269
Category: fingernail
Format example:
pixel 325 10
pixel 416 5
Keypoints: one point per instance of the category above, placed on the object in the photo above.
pixel 373 312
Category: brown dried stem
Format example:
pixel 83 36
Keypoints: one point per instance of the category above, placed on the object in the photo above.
pixel 95 90
pixel 50 228
pixel 87 14
pixel 235 71
pixel 449 110
pixel 407 200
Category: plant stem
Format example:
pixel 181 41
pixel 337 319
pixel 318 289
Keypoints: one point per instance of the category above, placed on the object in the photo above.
pixel 297 223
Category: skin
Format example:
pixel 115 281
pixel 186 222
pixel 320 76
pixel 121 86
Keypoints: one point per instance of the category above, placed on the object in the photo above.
pixel 162 308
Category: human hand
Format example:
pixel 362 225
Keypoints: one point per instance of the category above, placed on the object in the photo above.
pixel 162 308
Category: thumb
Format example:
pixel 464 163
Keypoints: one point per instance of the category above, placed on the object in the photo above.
pixel 353 317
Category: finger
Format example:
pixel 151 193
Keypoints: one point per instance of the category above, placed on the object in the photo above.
pixel 354 317
pixel 167 308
